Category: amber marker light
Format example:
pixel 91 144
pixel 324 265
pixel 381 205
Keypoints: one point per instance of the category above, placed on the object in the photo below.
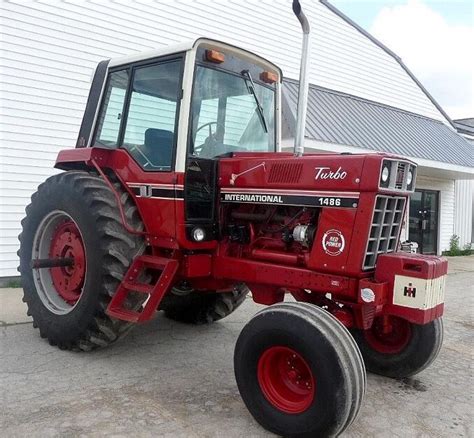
pixel 214 56
pixel 268 77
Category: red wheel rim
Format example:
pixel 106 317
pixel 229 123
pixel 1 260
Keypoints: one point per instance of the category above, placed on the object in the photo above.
pixel 286 379
pixel 388 334
pixel 67 242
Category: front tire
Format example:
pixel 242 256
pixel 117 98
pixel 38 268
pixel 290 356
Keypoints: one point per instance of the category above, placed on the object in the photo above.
pixel 75 215
pixel 299 371
pixel 404 350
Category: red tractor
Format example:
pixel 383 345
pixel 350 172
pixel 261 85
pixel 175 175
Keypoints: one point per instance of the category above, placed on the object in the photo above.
pixel 178 198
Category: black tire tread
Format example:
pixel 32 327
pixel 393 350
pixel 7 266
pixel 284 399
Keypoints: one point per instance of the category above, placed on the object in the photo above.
pixel 399 365
pixel 346 347
pixel 120 248
pixel 352 380
pixel 203 307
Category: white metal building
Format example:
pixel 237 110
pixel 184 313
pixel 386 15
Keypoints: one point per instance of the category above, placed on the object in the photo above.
pixel 49 50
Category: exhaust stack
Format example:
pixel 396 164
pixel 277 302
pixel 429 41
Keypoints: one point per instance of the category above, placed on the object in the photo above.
pixel 304 83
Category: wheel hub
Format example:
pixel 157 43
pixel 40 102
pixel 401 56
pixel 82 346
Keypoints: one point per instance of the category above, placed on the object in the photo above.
pixel 388 334
pixel 286 379
pixel 66 242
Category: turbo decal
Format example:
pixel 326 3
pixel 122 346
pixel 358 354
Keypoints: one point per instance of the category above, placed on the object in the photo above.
pixel 327 173
pixel 333 242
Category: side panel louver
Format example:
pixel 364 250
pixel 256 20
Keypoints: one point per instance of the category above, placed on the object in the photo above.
pixel 285 172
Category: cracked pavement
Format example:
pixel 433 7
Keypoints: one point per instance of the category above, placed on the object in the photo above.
pixel 168 379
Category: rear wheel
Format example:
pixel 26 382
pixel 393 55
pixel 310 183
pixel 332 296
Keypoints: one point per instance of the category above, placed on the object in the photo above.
pixel 202 307
pixel 74 215
pixel 299 371
pixel 397 348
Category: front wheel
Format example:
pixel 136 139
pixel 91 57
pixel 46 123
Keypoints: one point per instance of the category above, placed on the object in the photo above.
pixel 299 371
pixel 395 347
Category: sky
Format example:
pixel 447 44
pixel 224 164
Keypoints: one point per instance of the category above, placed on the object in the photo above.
pixel 435 40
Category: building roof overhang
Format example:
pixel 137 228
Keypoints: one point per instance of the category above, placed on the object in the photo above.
pixel 426 167
pixel 336 119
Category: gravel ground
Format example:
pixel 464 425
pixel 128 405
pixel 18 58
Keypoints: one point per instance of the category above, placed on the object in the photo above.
pixel 169 379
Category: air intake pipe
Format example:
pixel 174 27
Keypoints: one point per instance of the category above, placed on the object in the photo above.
pixel 304 80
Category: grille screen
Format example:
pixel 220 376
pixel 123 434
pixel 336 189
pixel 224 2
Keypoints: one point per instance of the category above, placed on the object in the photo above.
pixel 400 175
pixel 385 229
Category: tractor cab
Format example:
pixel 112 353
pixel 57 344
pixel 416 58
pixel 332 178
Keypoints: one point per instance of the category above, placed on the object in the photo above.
pixel 169 117
pixel 202 100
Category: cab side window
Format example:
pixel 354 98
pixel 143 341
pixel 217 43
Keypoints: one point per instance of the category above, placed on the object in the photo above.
pixel 111 115
pixel 150 129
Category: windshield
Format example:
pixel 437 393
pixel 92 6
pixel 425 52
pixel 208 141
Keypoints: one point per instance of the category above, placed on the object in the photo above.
pixel 230 113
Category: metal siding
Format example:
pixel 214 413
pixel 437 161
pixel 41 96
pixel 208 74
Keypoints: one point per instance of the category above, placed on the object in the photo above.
pixel 49 51
pixel 344 119
pixel 463 220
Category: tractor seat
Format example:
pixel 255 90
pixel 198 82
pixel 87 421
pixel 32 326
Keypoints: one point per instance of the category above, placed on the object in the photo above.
pixel 158 146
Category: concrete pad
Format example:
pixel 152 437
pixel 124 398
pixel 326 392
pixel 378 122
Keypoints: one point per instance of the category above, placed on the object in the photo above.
pixel 173 380
pixel 12 308
pixel 460 264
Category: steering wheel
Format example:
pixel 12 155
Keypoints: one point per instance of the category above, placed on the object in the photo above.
pixel 206 124
pixel 207 148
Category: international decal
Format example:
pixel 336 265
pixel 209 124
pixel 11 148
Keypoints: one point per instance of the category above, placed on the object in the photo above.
pixel 248 197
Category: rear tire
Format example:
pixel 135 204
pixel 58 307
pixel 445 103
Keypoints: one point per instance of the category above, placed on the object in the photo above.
pixel 202 307
pixel 401 354
pixel 299 371
pixel 88 207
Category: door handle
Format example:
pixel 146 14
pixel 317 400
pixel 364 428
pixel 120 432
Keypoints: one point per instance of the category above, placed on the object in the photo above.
pixel 424 223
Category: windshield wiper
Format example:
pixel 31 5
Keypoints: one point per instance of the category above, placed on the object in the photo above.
pixel 251 89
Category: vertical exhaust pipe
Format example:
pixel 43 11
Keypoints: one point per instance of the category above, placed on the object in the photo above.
pixel 304 80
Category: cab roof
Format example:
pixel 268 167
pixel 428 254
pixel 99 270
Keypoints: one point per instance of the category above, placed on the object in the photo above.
pixel 186 46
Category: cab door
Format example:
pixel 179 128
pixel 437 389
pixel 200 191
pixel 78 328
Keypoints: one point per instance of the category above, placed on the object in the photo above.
pixel 139 119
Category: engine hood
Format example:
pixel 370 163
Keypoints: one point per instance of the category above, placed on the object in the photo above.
pixel 328 172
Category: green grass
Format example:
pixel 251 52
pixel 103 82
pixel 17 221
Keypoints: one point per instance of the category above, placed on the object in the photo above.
pixel 13 283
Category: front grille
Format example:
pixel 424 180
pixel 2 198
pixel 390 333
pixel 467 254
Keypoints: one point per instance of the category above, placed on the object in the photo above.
pixel 400 175
pixel 385 229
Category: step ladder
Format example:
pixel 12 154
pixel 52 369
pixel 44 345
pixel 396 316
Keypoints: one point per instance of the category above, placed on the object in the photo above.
pixel 166 269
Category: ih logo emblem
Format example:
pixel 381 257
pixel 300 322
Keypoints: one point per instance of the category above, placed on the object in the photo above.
pixel 409 291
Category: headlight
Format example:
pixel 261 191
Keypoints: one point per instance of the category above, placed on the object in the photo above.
pixel 411 177
pixel 198 234
pixel 385 173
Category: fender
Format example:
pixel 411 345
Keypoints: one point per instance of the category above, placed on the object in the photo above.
pixel 98 159
pixel 80 158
